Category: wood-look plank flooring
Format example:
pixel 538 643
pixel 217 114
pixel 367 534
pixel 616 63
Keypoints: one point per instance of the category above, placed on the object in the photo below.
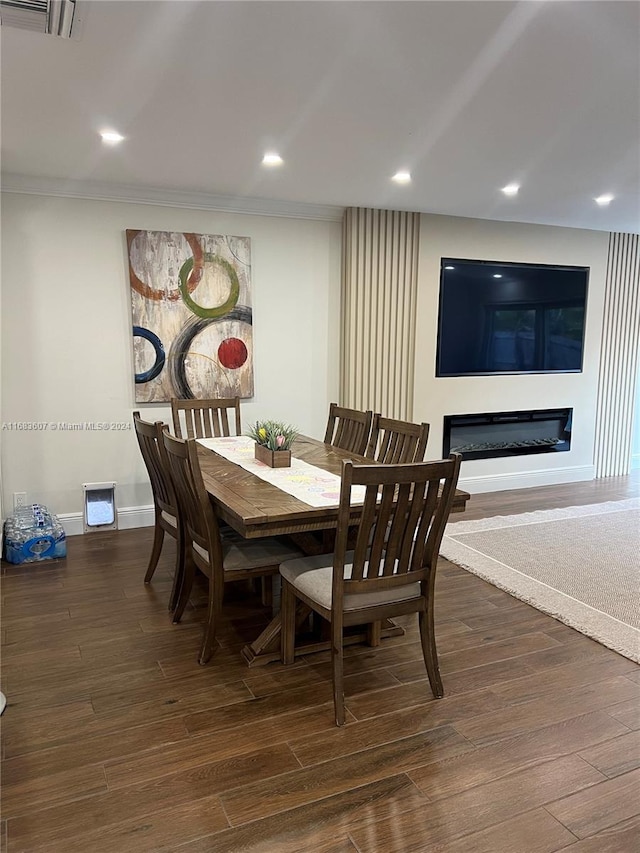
pixel 114 739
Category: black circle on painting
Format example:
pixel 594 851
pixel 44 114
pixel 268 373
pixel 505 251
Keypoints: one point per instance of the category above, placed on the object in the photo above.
pixel 181 343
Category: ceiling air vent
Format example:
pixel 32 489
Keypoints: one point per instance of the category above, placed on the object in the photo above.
pixel 53 17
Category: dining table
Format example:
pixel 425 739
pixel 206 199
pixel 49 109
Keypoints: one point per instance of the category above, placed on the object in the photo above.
pixel 255 507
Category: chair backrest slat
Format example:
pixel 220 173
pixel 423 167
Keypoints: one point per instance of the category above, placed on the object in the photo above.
pixel 404 514
pixel 348 429
pixel 205 418
pixel 400 544
pixel 394 441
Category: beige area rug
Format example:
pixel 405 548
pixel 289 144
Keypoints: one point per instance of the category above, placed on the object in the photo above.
pixel 580 565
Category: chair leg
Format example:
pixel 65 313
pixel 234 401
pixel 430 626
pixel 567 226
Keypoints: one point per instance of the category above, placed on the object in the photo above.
pixel 178 577
pixel 188 575
pixel 288 623
pixel 216 592
pixel 337 671
pixel 429 651
pixel 374 633
pixel 158 539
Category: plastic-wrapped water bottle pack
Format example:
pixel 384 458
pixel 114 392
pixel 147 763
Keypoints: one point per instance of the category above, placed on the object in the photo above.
pixel 32 534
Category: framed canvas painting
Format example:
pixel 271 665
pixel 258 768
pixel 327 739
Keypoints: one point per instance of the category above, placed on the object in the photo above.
pixel 192 317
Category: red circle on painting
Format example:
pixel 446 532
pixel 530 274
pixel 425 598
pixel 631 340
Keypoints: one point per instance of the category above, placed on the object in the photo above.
pixel 232 353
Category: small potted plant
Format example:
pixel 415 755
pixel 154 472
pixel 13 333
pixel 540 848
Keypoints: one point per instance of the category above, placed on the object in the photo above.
pixel 273 442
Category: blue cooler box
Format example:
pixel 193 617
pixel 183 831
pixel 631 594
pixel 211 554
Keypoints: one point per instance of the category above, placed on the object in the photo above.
pixel 32 534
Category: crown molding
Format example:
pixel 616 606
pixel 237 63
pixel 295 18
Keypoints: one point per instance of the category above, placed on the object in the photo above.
pixel 133 194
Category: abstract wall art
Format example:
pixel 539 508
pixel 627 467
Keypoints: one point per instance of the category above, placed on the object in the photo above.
pixel 192 317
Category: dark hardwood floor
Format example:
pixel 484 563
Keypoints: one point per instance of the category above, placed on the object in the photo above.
pixel 114 739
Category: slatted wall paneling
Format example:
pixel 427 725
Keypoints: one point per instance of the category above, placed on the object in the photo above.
pixel 619 357
pixel 379 294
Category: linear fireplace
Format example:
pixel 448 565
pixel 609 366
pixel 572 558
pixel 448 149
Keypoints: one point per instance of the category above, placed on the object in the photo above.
pixel 493 434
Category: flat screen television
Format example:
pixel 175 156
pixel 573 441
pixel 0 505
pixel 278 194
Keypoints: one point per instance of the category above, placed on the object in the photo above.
pixel 498 317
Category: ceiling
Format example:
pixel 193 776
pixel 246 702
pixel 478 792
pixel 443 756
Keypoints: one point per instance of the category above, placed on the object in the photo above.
pixel 467 96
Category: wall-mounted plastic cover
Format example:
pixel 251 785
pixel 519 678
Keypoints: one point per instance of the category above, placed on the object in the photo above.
pixel 100 506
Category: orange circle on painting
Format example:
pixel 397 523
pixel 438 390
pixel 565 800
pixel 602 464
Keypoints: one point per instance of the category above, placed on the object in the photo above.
pixel 150 292
pixel 232 353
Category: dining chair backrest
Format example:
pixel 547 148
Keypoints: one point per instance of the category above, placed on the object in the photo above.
pixel 200 522
pixel 149 437
pixel 348 429
pixel 405 511
pixel 220 558
pixel 394 441
pixel 168 518
pixel 205 418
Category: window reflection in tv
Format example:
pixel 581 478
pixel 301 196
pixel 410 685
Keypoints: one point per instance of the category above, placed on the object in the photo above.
pixel 498 317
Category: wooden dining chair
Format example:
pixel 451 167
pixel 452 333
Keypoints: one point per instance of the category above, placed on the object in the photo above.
pixel 205 418
pixel 222 558
pixel 165 506
pixel 393 441
pixel 348 429
pixel 392 568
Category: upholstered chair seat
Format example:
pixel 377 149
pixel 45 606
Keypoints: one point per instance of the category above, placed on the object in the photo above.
pixel 313 577
pixel 240 554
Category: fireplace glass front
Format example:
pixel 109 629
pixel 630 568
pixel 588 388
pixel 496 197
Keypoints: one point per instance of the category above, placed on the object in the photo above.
pixel 493 434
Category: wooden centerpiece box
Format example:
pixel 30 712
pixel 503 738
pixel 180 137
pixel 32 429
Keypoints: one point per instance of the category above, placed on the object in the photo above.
pixel 273 458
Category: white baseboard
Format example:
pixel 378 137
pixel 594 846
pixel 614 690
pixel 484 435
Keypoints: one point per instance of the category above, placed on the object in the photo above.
pixel 128 517
pixel 527 479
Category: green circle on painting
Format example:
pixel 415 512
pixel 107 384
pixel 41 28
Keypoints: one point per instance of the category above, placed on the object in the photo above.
pixel 218 310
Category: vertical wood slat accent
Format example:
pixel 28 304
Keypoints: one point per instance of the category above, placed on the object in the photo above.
pixel 379 298
pixel 618 357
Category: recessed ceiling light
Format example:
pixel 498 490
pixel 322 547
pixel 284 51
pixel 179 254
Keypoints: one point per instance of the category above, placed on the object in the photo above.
pixel 604 200
pixel 511 189
pixel 449 268
pixel 272 159
pixel 402 177
pixel 111 137
pixel 497 275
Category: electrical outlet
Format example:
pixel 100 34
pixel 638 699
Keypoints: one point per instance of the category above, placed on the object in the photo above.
pixel 19 499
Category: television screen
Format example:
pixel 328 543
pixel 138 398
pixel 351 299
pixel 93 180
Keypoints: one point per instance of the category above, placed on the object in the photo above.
pixel 500 317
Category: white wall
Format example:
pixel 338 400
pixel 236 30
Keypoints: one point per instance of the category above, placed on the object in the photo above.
pixel 67 346
pixel 67 352
pixel 442 236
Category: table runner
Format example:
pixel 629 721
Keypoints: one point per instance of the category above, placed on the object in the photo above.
pixel 307 483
